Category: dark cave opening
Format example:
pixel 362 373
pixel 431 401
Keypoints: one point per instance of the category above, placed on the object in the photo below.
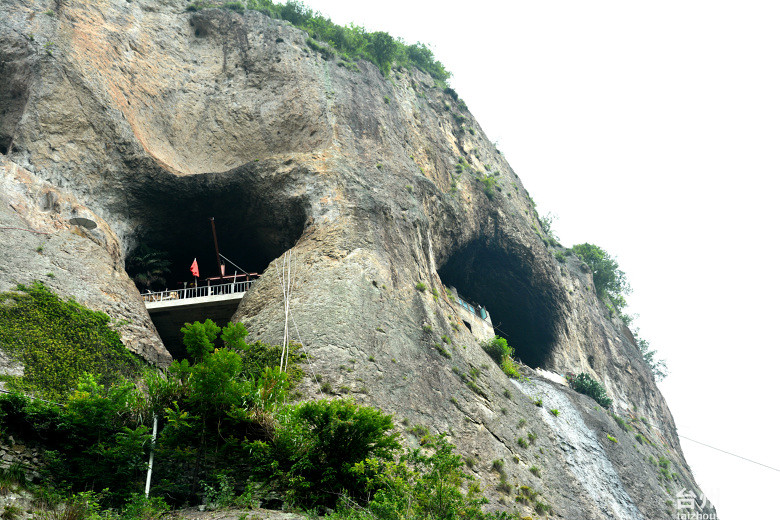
pixel 515 290
pixel 255 222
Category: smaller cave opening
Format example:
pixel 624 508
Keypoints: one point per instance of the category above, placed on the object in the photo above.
pixel 255 223
pixel 516 290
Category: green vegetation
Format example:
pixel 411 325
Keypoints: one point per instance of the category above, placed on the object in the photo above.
pixel 442 350
pixel 657 366
pixel 555 412
pixel 612 287
pixel 622 423
pixel 470 380
pixel 425 483
pixel 420 286
pixel 547 222
pixel 351 42
pixel 229 437
pixel 535 471
pixel 609 280
pixel 148 267
pixel 585 384
pixel 522 442
pixel 489 184
pixel 58 340
pixel 498 349
pixel 610 437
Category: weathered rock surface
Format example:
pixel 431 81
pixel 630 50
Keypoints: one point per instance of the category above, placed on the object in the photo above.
pixel 149 119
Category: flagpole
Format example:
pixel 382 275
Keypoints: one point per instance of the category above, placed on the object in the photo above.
pixel 216 246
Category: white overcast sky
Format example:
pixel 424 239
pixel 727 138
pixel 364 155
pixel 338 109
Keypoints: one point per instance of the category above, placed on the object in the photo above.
pixel 651 129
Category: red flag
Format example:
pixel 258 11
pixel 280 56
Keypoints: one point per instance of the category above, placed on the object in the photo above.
pixel 194 269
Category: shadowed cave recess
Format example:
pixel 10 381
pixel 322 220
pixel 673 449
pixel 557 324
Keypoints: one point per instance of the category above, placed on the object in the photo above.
pixel 522 300
pixel 256 222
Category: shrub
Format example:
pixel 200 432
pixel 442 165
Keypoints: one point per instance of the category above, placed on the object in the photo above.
pixel 234 6
pixel 622 423
pixel 383 49
pixel 555 412
pixel 585 384
pixel 316 445
pixel 609 280
pixel 442 350
pixel 498 349
pixel 353 41
pixel 522 442
pixel 509 367
pixel 488 185
pixel 423 484
pixel 58 340
pixel 420 286
pixel 140 507
pixel 326 51
pixel 657 366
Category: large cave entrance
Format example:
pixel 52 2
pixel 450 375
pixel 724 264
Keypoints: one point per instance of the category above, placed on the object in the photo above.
pixel 517 291
pixel 255 222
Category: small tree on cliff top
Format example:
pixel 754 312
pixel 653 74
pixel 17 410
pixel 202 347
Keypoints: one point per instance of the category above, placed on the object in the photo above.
pixel 610 281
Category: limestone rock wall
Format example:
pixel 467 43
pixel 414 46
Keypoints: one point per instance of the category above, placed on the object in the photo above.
pixel 136 113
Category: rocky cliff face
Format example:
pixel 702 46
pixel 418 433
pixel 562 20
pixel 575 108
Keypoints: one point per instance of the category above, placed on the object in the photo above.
pixel 148 120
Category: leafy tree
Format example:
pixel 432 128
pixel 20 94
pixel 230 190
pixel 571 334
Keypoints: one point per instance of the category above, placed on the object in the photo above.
pixel 148 267
pixel 657 366
pixel 610 281
pixel 199 338
pixel 297 13
pixel 547 222
pixel 585 384
pixel 420 56
pixel 498 349
pixel 316 445
pixel 233 336
pixel 352 42
pixel 383 49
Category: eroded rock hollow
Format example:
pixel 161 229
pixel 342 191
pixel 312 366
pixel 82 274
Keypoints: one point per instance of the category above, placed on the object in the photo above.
pixel 149 120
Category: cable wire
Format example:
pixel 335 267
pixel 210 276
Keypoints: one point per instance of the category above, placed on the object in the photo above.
pixel 728 453
pixel 232 262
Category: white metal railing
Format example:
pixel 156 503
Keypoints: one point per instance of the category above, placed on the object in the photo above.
pixel 197 292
